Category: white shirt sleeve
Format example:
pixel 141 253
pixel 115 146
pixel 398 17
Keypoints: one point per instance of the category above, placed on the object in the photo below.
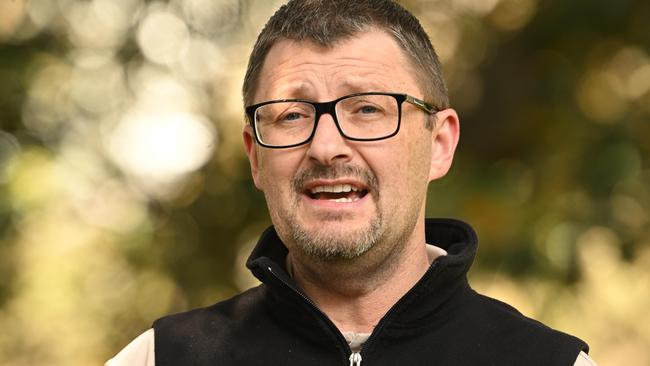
pixel 584 360
pixel 140 352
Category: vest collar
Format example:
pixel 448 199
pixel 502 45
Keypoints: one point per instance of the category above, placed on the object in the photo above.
pixel 445 275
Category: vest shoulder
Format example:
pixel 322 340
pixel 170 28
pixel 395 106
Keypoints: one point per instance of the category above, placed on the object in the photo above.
pixel 202 336
pixel 220 315
pixel 494 319
pixel 495 312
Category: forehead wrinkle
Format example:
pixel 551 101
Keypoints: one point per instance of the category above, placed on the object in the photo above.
pixel 292 83
pixel 330 68
pixel 360 81
pixel 300 83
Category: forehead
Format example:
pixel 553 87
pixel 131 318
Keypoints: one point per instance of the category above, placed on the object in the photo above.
pixel 368 61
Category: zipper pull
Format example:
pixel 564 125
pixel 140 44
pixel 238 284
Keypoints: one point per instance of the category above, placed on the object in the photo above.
pixel 355 359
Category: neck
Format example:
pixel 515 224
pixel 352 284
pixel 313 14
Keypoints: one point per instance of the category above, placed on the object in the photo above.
pixel 356 294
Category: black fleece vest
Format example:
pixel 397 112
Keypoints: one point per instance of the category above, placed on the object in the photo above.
pixel 440 321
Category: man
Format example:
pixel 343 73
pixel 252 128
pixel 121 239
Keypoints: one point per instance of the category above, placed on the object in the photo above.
pixel 348 122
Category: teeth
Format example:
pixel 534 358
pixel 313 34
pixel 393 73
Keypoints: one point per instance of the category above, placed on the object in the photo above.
pixel 343 200
pixel 337 188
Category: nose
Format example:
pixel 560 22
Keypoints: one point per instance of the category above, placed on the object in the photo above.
pixel 328 146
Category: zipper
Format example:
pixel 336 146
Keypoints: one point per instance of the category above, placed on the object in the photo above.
pixel 390 311
pixel 355 359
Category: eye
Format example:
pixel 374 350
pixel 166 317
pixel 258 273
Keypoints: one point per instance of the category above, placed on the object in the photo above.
pixel 292 116
pixel 368 109
pixel 293 113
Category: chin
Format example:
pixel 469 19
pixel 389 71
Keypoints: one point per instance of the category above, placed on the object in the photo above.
pixel 336 244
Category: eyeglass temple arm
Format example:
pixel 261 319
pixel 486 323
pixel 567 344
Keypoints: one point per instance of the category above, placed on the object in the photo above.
pixel 421 104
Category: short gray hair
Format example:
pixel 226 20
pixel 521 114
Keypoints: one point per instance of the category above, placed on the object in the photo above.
pixel 327 21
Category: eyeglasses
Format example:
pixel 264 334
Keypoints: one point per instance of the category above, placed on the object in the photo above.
pixel 360 117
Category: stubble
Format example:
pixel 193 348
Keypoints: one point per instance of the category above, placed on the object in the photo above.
pixel 324 242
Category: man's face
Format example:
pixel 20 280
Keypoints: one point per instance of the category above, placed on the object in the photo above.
pixel 334 198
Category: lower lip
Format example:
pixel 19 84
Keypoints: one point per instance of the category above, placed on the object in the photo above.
pixel 333 205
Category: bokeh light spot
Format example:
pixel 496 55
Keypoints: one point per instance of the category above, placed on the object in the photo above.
pixel 510 15
pixel 162 37
pixel 33 178
pixel 201 61
pixel 598 98
pixel 162 147
pixel 210 17
pixel 9 148
pixel 12 14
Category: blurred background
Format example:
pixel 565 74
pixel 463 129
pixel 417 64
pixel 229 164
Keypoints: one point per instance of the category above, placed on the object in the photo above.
pixel 125 193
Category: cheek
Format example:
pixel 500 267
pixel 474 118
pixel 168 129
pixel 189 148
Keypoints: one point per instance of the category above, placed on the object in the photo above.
pixel 401 172
pixel 420 161
pixel 418 140
pixel 414 155
pixel 276 170
pixel 412 172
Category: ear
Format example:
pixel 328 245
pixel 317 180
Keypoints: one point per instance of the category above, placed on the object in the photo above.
pixel 445 139
pixel 251 150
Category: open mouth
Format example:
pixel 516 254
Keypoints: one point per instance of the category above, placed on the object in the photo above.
pixel 337 192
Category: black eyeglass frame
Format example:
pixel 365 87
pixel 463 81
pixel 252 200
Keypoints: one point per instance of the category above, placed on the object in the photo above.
pixel 330 108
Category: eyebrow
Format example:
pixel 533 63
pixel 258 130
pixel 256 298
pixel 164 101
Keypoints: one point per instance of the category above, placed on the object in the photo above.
pixel 362 86
pixel 297 90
